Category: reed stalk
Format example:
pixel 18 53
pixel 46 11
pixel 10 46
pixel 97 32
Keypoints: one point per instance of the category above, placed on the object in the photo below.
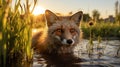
pixel 15 34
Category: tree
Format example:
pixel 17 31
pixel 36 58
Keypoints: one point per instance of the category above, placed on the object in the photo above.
pixel 86 17
pixel 96 15
pixel 116 8
pixel 117 12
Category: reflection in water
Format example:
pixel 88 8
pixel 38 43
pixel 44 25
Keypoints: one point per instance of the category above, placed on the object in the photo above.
pixel 55 60
pixel 104 56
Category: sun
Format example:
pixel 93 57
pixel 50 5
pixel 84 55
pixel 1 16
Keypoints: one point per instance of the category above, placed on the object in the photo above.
pixel 38 10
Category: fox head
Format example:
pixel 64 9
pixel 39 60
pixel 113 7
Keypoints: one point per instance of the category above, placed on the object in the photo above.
pixel 63 30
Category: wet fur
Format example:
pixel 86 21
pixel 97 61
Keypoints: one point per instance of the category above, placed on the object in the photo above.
pixel 45 43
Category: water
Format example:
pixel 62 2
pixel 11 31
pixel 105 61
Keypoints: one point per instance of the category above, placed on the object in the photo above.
pixel 104 55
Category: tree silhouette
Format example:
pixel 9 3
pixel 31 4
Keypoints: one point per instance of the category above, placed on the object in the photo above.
pixel 116 8
pixel 117 12
pixel 96 15
pixel 86 17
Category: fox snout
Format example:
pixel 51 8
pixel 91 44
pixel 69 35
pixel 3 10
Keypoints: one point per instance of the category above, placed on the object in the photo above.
pixel 68 42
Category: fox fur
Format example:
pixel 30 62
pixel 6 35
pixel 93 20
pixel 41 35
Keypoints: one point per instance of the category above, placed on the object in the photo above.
pixel 61 35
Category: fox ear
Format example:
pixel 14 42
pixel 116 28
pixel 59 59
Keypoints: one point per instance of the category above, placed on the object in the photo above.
pixel 77 17
pixel 50 17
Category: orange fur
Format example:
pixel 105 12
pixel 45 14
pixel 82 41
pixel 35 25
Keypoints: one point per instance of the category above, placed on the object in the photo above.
pixel 61 34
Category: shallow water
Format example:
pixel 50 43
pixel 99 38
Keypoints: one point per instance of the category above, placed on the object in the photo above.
pixel 103 55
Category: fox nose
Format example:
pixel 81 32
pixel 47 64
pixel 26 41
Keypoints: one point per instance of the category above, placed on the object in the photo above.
pixel 69 41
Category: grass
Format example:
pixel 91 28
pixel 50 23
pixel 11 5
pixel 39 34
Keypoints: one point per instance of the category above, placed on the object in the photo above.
pixel 100 31
pixel 104 30
pixel 15 34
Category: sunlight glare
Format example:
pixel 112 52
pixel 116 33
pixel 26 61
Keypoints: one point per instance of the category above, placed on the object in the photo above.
pixel 38 10
pixel 34 31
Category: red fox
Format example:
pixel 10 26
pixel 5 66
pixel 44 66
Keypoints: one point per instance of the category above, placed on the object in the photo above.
pixel 61 36
pixel 56 44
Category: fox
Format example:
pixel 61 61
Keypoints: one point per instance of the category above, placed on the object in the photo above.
pixel 61 35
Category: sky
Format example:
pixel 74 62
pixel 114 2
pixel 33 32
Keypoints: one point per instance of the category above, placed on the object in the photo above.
pixel 105 7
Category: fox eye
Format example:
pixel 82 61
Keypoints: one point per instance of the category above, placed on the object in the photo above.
pixel 72 30
pixel 58 30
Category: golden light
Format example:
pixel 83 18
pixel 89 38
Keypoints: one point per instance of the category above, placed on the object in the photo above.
pixel 38 10
pixel 34 31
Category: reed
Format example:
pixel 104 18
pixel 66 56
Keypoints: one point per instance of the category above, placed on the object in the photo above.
pixel 98 32
pixel 15 34
pixel 105 30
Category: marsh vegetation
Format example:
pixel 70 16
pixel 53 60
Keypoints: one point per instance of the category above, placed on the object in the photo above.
pixel 100 44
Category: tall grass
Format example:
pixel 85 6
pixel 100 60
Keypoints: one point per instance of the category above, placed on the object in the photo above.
pixel 15 34
pixel 104 30
pixel 100 31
